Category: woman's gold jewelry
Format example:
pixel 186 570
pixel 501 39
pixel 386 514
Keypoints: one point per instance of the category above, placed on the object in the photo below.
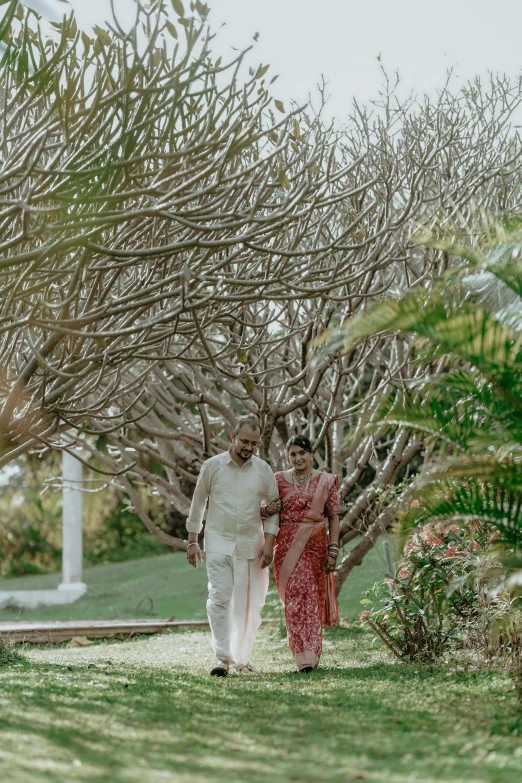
pixel 301 479
pixel 192 543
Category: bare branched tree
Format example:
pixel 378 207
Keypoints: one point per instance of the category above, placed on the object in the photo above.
pixel 144 191
pixel 399 166
pixel 174 241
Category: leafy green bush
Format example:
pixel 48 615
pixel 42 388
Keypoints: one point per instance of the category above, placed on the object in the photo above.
pixel 432 599
pixel 31 521
pixel 123 536
pixel 30 530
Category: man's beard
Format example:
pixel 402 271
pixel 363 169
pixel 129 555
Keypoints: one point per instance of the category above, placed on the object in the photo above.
pixel 240 455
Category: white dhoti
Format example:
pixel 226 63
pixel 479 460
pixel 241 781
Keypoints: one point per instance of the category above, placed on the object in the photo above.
pixel 236 594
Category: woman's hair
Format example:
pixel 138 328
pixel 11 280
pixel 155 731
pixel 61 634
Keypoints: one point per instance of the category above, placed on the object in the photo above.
pixel 300 440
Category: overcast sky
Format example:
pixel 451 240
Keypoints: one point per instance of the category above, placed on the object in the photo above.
pixel 341 39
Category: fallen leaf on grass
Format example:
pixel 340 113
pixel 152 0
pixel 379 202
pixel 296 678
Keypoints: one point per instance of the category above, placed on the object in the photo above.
pixel 80 641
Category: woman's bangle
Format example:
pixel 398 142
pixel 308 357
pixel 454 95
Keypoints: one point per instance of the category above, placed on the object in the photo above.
pixel 192 543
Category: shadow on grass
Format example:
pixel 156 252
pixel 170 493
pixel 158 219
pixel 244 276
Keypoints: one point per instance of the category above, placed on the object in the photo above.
pixel 343 631
pixel 382 722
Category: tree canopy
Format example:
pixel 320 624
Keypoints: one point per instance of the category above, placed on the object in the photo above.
pixel 174 237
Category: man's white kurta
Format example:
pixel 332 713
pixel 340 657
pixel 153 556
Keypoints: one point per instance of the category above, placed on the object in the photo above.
pixel 234 535
pixel 234 494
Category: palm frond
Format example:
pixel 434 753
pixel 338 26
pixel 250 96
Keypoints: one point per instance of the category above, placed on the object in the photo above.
pixel 496 296
pixel 469 325
pixel 479 467
pixel 494 249
pixel 449 238
pixel 483 414
pixel 471 333
pixel 445 418
pixel 503 261
pixel 464 501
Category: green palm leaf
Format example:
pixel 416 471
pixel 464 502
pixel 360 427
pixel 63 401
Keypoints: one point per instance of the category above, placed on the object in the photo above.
pixel 470 333
pixel 483 415
pixel 446 418
pixel 461 502
pixel 7 16
pixel 481 467
pixel 503 262
pixel 469 326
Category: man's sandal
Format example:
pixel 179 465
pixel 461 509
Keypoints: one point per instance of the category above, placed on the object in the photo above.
pixel 220 669
pixel 246 669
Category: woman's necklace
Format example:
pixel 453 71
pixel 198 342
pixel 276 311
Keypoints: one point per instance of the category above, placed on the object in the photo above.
pixel 301 479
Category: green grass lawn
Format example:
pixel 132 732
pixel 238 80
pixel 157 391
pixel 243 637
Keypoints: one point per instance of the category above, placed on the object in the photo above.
pixel 147 711
pixel 121 590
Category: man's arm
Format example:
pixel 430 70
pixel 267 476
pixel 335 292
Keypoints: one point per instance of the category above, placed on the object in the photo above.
pixel 195 518
pixel 266 554
pixel 270 524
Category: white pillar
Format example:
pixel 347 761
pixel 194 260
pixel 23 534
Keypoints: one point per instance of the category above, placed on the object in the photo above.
pixel 72 534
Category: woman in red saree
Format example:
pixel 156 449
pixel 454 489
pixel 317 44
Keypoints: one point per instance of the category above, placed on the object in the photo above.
pixel 305 553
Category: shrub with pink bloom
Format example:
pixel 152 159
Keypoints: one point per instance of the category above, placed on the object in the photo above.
pixel 427 535
pixel 445 528
pixel 365 616
pixel 428 603
pixel 410 545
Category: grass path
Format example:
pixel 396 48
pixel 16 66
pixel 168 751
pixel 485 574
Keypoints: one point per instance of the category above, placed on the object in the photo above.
pixel 147 712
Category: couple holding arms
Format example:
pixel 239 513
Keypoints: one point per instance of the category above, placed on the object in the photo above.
pixel 254 516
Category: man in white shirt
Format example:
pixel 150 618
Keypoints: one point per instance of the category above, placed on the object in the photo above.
pixel 238 546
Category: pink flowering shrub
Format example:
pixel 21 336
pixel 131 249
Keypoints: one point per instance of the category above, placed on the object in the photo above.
pixel 432 599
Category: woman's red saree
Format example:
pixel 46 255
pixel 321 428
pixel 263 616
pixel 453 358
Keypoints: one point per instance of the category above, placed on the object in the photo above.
pixel 307 592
